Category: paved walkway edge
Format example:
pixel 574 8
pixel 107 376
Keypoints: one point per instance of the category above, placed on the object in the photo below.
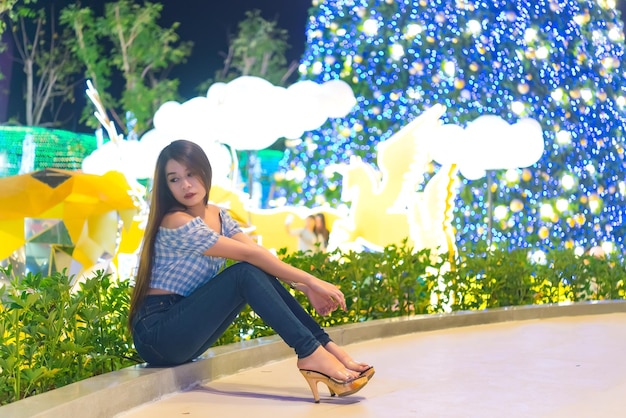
pixel 110 394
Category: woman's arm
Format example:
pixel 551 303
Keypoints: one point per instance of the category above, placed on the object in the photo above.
pixel 325 297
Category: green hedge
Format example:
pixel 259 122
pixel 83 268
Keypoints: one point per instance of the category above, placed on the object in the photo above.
pixel 53 333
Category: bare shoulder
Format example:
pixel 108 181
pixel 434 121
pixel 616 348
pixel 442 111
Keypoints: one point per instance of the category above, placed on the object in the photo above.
pixel 176 219
pixel 213 209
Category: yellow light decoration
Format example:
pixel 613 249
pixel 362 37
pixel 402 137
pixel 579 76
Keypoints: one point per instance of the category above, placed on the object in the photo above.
pixel 473 66
pixel 544 232
pixel 90 208
pixel 516 205
pixel 425 217
pixel 526 174
pixel 358 59
pixel 523 88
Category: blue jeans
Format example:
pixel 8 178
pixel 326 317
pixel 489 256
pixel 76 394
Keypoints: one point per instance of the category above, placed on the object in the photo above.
pixel 173 329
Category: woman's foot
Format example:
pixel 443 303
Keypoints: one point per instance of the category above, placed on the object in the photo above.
pixel 324 362
pixel 346 360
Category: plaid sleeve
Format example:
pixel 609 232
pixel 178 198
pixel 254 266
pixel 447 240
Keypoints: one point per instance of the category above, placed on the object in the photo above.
pixel 195 236
pixel 230 226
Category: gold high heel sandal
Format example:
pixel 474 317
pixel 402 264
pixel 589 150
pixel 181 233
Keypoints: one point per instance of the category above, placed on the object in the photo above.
pixel 335 386
pixel 369 372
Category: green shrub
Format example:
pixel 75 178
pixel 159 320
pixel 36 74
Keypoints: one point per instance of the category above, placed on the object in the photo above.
pixel 53 333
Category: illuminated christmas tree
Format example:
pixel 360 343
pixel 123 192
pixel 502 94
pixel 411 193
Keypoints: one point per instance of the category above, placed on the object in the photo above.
pixel 557 61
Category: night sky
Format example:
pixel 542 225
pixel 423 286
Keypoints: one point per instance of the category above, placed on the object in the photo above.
pixel 206 23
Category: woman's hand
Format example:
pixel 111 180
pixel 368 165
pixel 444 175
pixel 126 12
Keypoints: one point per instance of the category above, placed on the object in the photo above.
pixel 324 297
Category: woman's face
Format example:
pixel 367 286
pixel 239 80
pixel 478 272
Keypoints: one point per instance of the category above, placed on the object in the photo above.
pixel 186 186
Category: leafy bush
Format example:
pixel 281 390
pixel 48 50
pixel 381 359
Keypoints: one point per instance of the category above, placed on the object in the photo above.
pixel 53 333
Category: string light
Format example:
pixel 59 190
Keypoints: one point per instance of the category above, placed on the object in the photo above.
pixel 555 61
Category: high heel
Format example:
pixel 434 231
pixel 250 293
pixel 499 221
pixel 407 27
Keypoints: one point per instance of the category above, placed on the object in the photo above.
pixel 369 372
pixel 335 386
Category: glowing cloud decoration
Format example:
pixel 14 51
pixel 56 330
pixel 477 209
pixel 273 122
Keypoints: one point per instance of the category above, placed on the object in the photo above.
pixel 488 143
pixel 250 113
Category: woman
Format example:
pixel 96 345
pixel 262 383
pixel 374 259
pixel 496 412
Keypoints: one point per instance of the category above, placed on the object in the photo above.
pixel 321 230
pixel 308 239
pixel 183 300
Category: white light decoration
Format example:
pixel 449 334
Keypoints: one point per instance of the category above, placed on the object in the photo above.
pixel 370 27
pixel 414 94
pixel 564 137
pixel 586 94
pixel 546 211
pixel 539 257
pixel 562 205
pixel 397 51
pixel 517 107
pixel 568 182
pixel 512 175
pixel 615 34
pixel 500 212
pixel 557 95
pixel 449 68
pixel 542 53
pixel 474 27
pixel 608 247
pixel 594 205
pixel 579 19
pixel 530 34
pixel 579 251
pixel 590 169
pixel 621 101
pixel 317 67
pixel 341 32
pixel 413 30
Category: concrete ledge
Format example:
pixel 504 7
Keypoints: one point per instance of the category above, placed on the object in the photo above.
pixel 117 392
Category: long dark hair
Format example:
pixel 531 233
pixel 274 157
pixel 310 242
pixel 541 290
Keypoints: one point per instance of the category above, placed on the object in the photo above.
pixel 162 202
pixel 323 230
